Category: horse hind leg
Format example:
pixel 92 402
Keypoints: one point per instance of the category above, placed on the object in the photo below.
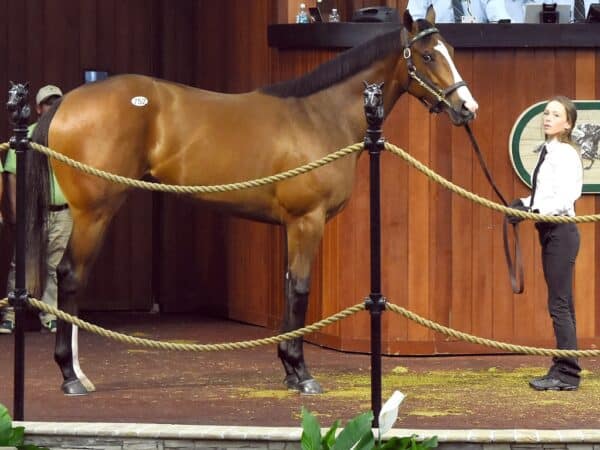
pixel 303 237
pixel 88 230
pixel 66 352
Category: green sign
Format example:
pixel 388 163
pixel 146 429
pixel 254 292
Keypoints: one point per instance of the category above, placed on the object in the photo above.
pixel 527 136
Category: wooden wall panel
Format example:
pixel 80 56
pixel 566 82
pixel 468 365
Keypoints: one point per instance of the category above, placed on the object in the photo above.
pixel 443 255
pixel 483 219
pixel 584 78
pixel 394 211
pixel 6 236
pixel 53 42
pixel 215 45
pixel 503 110
pixel 115 37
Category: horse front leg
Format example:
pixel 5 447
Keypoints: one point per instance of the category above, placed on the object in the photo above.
pixel 89 228
pixel 303 237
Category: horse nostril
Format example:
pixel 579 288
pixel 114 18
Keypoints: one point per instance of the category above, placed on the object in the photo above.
pixel 471 106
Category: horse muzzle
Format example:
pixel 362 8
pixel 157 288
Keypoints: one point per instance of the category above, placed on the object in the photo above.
pixel 460 116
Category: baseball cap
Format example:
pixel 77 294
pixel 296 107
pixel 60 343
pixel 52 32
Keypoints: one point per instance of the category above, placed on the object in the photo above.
pixel 47 92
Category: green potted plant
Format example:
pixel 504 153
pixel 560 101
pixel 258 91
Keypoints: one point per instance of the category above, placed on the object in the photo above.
pixel 358 435
pixel 13 436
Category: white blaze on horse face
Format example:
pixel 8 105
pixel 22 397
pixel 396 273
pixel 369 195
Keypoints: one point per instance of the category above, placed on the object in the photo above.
pixel 463 91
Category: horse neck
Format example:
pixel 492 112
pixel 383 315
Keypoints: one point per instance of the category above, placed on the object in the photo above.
pixel 345 99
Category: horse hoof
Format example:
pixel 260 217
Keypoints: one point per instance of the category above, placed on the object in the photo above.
pixel 292 382
pixel 74 387
pixel 310 387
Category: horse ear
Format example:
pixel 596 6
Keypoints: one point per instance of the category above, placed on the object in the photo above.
pixel 430 16
pixel 407 20
pixel 380 85
pixel 11 84
pixel 27 85
pixel 366 84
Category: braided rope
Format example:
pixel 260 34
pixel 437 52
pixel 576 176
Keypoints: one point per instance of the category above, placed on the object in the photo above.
pixel 120 337
pixel 482 201
pixel 195 189
pixel 348 311
pixel 306 168
pixel 528 350
pixel 488 342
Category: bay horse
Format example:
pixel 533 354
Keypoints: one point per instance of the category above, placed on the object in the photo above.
pixel 135 125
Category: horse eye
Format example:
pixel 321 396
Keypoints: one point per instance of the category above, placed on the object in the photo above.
pixel 427 57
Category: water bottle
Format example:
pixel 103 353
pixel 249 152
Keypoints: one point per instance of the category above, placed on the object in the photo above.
pixel 334 15
pixel 302 16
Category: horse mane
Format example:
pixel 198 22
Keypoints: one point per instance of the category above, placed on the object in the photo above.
pixel 342 66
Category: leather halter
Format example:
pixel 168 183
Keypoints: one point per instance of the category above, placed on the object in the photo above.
pixel 515 264
pixel 422 79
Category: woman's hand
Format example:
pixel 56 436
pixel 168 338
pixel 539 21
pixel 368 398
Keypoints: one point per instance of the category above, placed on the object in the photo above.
pixel 516 204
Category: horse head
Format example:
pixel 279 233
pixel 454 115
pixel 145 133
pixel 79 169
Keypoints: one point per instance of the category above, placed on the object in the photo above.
pixel 18 102
pixel 431 74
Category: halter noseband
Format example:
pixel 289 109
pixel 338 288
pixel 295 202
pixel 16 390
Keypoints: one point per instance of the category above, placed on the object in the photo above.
pixel 440 94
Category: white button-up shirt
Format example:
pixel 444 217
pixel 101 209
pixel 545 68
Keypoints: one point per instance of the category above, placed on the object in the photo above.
pixel 483 10
pixel 559 181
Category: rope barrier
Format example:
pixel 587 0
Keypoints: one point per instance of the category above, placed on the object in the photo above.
pixel 336 317
pixel 161 345
pixel 195 347
pixel 304 169
pixel 483 201
pixel 180 189
pixel 488 342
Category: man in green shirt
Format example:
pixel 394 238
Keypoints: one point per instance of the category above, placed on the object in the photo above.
pixel 59 223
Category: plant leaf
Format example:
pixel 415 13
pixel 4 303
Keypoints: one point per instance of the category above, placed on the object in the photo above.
pixel 311 431
pixel 367 442
pixel 354 431
pixel 329 438
pixel 432 442
pixel 17 436
pixel 397 443
pixel 5 425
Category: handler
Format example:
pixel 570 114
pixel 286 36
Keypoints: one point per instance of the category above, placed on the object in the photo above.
pixel 557 182
pixel 59 223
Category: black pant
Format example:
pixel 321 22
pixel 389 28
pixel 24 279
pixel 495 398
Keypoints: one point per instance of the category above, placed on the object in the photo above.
pixel 560 245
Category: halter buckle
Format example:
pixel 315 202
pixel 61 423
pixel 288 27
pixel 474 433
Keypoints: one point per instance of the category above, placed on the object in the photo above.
pixel 407 53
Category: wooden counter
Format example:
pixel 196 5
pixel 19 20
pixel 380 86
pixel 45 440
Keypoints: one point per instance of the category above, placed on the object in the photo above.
pixel 345 35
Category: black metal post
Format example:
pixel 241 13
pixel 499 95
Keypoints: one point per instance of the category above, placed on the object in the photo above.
pixel 375 303
pixel 18 299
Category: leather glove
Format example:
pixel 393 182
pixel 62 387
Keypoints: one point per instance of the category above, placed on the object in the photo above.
pixel 516 204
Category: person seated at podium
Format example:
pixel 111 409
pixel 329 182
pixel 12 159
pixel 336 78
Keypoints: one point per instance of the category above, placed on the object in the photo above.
pixel 579 8
pixel 460 11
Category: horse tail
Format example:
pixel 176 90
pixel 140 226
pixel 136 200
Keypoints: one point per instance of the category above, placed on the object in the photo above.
pixel 38 191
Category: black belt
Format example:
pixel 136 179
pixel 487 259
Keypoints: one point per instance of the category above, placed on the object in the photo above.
pixel 56 208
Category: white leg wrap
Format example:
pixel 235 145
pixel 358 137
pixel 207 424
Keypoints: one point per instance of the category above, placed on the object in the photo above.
pixel 76 368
